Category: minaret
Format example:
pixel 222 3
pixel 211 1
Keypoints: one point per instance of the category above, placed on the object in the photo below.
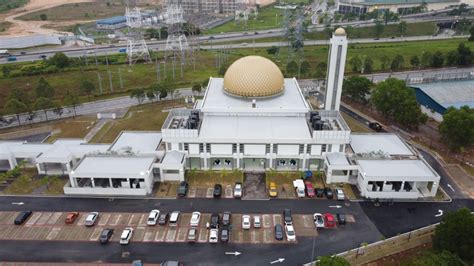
pixel 335 72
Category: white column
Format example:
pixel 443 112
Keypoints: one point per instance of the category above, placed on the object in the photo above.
pixel 335 71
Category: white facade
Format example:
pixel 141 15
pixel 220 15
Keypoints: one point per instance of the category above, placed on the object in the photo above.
pixel 335 73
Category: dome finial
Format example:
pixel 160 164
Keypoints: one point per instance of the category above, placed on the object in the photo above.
pixel 340 32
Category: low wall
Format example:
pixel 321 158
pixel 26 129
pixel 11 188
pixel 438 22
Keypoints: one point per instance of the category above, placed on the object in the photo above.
pixel 99 191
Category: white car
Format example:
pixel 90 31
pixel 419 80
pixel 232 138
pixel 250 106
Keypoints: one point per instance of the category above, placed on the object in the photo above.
pixel 153 217
pixel 195 217
pixel 246 222
pixel 290 233
pixel 91 219
pixel 318 220
pixel 214 235
pixel 257 223
pixel 126 236
pixel 238 190
pixel 339 194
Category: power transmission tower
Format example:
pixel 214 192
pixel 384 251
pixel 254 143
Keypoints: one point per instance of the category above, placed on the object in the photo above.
pixel 136 45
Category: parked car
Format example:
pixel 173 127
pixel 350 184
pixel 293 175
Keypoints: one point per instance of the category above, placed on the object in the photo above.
pixel 225 234
pixel 318 219
pixel 309 189
pixel 329 220
pixel 137 263
pixel 341 218
pixel 273 191
pixel 91 219
pixel 245 221
pixel 213 235
pixel 215 220
pixel 71 217
pixel 22 217
pixel 153 217
pixel 290 233
pixel 183 189
pixel 287 217
pixel 328 192
pixel 238 190
pixel 278 232
pixel 217 191
pixel 195 218
pixel 319 192
pixel 192 235
pixel 226 218
pixel 174 218
pixel 340 194
pixel 105 235
pixel 257 223
pixel 163 219
pixel 126 236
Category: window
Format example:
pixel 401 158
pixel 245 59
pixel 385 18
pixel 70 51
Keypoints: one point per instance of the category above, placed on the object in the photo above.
pixel 234 148
pixel 201 147
pixel 301 151
pixel 275 148
pixel 172 171
pixel 186 146
pixel 323 148
pixel 208 147
pixel 180 145
pixel 267 148
pixel 241 148
pixel 308 149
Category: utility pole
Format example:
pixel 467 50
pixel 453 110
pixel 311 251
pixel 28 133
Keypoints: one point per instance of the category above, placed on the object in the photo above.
pixel 120 78
pixel 100 82
pixel 110 82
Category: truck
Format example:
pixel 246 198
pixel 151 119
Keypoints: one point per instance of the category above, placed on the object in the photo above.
pixel 11 58
pixel 122 50
pixel 4 53
pixel 298 184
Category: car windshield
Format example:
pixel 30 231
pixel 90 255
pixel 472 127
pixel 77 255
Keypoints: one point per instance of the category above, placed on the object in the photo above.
pixel 291 232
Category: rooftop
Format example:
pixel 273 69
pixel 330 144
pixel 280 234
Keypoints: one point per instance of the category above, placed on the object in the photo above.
pixel 113 166
pixel 387 143
pixel 112 20
pixel 450 93
pixel 396 169
pixel 137 142
pixel 337 158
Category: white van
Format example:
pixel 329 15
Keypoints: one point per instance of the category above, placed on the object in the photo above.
pixel 174 218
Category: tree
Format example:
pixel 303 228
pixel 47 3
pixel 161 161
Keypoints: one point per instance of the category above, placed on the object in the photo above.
pixel 292 68
pixel 223 69
pixel 402 28
pixel 384 62
pixel 457 127
pixel 471 37
pixel 437 59
pixel 455 234
pixel 60 60
pixel 152 33
pixel 378 28
pixel 452 58
pixel 395 100
pixel 356 63
pixel 397 62
pixel 16 107
pixel 441 258
pixel 332 261
pixel 87 88
pixel 368 65
pixel 304 68
pixel 6 71
pixel 273 50
pixel 43 104
pixel 464 55
pixel 356 88
pixel 426 59
pixel 43 17
pixel 43 89
pixel 58 109
pixel 415 61
pixel 150 94
pixel 138 94
pixel 321 68
pixel 197 88
pixel 19 95
pixel 163 92
pixel 205 83
pixel 71 99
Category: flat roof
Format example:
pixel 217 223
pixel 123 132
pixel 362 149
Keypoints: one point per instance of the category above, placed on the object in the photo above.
pixel 63 152
pixel 248 128
pixel 387 143
pixel 112 20
pixel 137 142
pixel 173 157
pixel 337 158
pixel 113 166
pixel 396 168
pixel 450 93
pixel 216 99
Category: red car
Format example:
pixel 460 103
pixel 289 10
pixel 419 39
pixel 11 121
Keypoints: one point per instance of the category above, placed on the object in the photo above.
pixel 309 189
pixel 71 217
pixel 329 220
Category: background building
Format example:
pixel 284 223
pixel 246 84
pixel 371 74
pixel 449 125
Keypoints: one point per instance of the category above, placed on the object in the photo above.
pixel 397 6
pixel 206 6
pixel 112 23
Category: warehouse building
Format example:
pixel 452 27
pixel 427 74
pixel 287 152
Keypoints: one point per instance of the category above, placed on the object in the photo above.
pixel 113 23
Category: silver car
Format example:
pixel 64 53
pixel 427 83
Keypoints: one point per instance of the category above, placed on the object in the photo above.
pixel 91 219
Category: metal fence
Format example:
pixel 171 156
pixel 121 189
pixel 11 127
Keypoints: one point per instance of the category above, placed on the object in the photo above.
pixel 442 77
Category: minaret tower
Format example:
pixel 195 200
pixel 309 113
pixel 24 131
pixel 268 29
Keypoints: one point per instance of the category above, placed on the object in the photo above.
pixel 335 72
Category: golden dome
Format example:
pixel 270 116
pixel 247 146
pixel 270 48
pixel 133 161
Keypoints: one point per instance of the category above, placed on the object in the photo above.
pixel 340 32
pixel 253 76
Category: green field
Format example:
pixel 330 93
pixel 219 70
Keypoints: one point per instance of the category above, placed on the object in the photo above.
pixel 6 5
pixel 268 17
pixel 142 75
pixel 4 25
pixel 80 11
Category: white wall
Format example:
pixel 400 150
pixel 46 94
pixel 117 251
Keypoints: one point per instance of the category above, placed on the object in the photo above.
pixel 193 148
pixel 221 148
pixel 288 149
pixel 315 149
pixel 254 149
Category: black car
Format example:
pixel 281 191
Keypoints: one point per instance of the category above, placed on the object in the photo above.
pixel 328 193
pixel 215 220
pixel 319 192
pixel 22 217
pixel 106 235
pixel 217 190
pixel 278 232
pixel 287 216
pixel 226 218
pixel 341 218
pixel 163 218
pixel 183 189
pixel 225 232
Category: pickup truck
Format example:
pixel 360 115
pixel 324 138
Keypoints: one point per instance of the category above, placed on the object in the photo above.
pixel 299 186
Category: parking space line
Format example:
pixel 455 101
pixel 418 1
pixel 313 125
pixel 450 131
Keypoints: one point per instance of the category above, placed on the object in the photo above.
pixel 267 220
pixel 171 234
pixel 148 236
pixel 115 219
pixel 133 220
pixel 54 217
pixel 16 230
pixel 103 219
pixel 124 219
pixel 209 192
pixel 160 234
pixel 33 219
pixel 53 233
pixel 82 219
pixel 267 236
pixel 143 220
pixel 203 235
pixel 44 218
pixel 95 235
pixel 350 218
pixel 7 217
pixel 277 219
pixel 254 236
pixel 138 233
pixel 4 231
pixel 85 233
pixel 308 221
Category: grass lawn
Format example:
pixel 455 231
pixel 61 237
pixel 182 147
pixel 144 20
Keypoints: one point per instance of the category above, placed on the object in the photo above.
pixel 6 5
pixel 210 178
pixel 142 117
pixel 28 182
pixel 355 125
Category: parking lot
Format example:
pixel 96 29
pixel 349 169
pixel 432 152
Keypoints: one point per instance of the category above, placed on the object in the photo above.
pixel 51 226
